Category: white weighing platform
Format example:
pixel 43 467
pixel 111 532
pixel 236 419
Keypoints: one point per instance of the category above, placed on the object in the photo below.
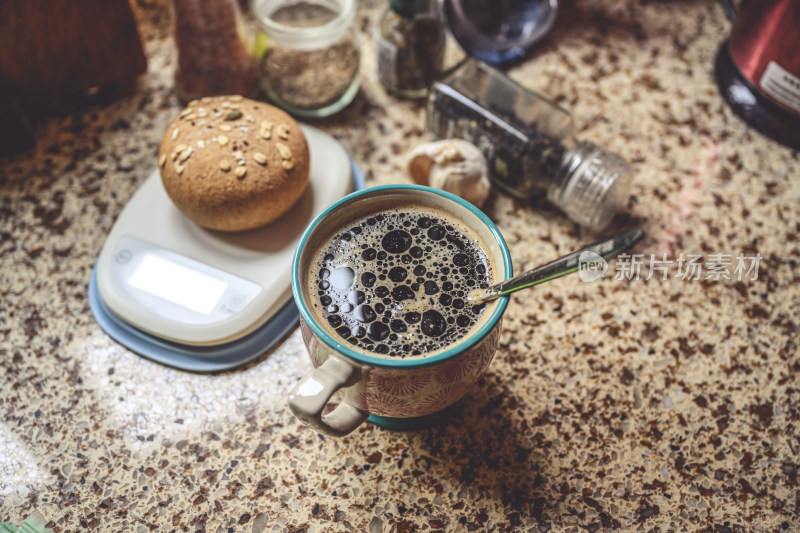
pixel 204 300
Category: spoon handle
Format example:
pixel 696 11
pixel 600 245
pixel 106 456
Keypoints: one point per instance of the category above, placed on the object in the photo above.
pixel 605 248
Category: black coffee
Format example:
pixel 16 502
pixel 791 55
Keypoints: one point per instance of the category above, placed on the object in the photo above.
pixel 395 283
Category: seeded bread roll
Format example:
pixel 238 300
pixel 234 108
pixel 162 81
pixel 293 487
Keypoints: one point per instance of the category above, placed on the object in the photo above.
pixel 232 164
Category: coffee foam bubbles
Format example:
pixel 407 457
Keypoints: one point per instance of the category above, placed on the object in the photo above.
pixel 412 268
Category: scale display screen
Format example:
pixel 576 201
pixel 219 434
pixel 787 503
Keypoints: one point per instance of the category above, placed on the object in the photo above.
pixel 177 283
pixel 165 284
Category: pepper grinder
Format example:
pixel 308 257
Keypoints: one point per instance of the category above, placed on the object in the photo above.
pixel 410 46
pixel 528 142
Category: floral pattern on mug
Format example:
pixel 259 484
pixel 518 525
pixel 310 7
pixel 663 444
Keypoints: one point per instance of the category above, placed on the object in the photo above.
pixel 485 351
pixel 443 397
pixel 458 369
pixel 416 391
pixel 360 400
pixel 386 404
pixel 398 382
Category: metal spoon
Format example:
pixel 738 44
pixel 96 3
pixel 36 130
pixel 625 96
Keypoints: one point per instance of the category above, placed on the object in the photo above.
pixel 588 255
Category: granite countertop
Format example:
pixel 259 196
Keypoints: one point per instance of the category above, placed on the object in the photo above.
pixel 627 405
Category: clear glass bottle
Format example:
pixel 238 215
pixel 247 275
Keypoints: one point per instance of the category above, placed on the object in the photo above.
pixel 213 50
pixel 410 44
pixel 528 142
pixel 310 58
pixel 499 31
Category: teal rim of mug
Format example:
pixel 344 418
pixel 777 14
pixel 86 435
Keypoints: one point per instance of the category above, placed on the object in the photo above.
pixel 386 362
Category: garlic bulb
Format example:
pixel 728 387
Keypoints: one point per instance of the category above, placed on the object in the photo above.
pixel 453 165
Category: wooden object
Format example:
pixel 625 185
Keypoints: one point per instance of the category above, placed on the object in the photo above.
pixel 16 134
pixel 53 47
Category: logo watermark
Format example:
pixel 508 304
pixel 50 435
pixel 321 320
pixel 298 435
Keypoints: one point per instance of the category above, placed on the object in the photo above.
pixel 687 267
pixel 591 266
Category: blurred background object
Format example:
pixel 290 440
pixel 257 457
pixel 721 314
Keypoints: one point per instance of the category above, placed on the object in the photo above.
pixel 54 47
pixel 410 44
pixel 50 48
pixel 758 68
pixel 214 50
pixel 499 32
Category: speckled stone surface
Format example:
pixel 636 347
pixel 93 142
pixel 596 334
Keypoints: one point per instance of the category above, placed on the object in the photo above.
pixel 649 405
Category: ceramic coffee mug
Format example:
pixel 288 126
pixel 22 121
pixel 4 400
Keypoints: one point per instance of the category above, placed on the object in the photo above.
pixel 391 392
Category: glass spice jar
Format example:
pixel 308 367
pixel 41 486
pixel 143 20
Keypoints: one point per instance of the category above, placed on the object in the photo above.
pixel 499 32
pixel 213 50
pixel 310 64
pixel 410 44
pixel 528 142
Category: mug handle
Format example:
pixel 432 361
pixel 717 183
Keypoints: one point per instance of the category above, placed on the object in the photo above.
pixel 312 393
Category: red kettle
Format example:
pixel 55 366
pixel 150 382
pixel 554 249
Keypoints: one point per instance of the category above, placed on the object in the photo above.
pixel 758 68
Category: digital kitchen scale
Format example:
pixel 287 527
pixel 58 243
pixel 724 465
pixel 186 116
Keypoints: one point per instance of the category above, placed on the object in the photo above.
pixel 205 300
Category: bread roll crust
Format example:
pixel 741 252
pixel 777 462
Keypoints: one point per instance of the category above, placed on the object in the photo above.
pixel 232 164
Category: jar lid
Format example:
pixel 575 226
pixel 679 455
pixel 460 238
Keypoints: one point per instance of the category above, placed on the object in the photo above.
pixel 596 187
pixel 301 37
